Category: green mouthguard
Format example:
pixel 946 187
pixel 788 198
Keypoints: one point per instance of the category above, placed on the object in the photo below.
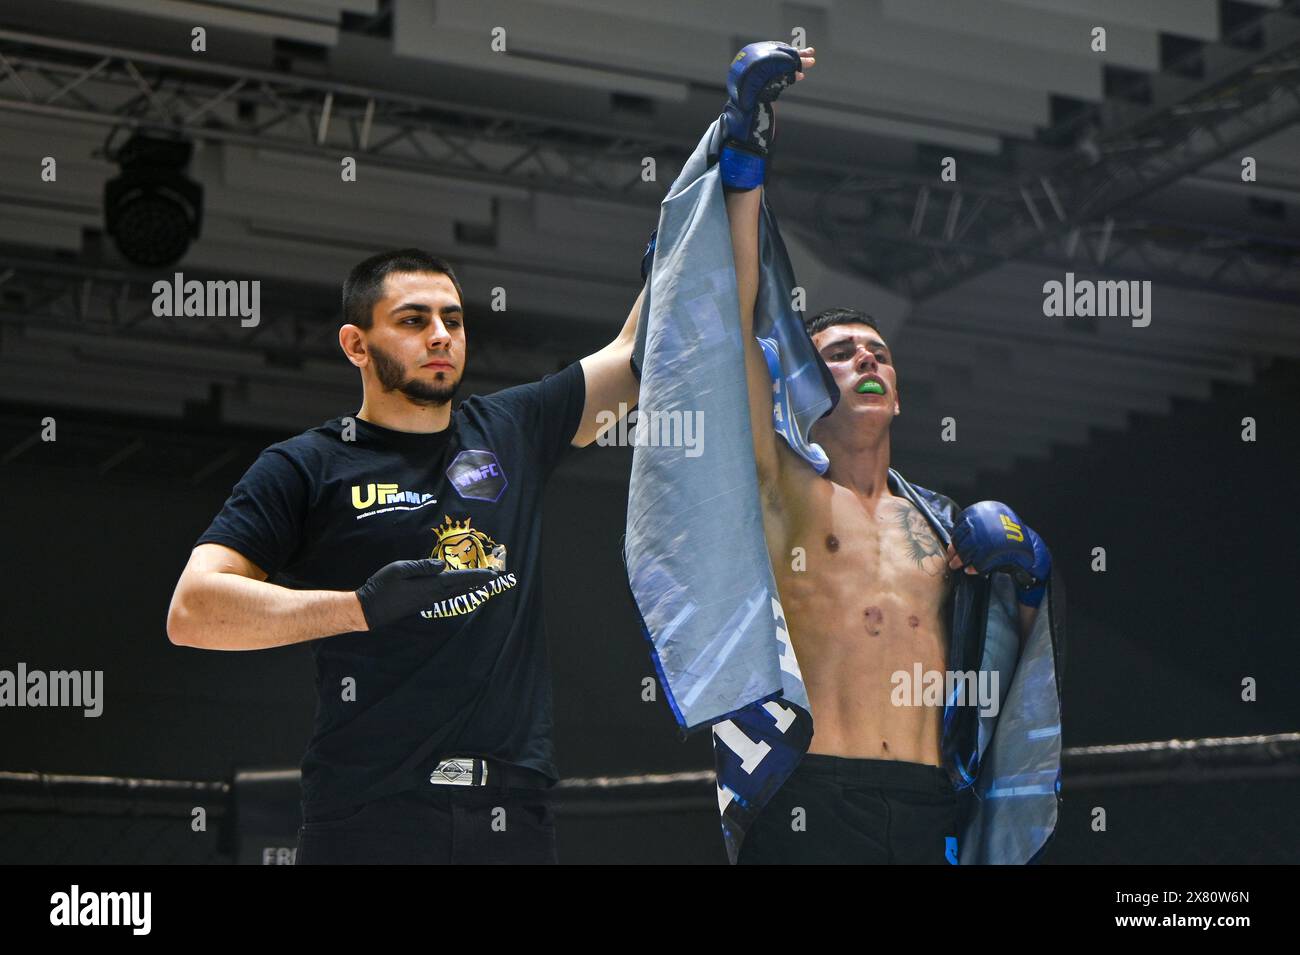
pixel 870 387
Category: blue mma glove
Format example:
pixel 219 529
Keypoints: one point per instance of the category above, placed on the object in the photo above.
pixel 757 76
pixel 991 538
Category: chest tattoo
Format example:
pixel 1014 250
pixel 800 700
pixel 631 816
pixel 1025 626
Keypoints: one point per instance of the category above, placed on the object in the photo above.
pixel 920 543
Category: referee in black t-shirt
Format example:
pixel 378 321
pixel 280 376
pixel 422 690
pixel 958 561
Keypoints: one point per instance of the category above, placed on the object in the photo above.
pixel 404 543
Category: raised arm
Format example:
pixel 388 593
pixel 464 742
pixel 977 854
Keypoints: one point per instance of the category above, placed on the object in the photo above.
pixel 758 75
pixel 742 211
pixel 612 388
pixel 611 385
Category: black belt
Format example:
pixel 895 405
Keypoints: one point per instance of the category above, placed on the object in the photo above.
pixel 473 771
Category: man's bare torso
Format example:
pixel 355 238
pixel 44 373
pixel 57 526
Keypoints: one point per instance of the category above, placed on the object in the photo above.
pixel 869 600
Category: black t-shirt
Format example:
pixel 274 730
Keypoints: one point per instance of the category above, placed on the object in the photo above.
pixel 467 677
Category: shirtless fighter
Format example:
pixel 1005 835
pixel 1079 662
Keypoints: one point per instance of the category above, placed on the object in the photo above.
pixel 874 597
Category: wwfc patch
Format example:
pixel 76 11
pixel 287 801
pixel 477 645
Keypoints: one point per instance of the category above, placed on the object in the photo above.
pixel 477 476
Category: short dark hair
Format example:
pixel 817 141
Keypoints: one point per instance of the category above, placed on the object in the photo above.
pixel 364 285
pixel 838 316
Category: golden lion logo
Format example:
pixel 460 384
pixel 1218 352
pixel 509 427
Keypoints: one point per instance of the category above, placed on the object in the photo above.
pixel 461 547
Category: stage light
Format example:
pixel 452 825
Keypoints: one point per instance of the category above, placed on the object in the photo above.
pixel 152 209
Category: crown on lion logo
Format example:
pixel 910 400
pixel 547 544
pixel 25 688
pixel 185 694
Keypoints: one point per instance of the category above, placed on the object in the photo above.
pixel 452 528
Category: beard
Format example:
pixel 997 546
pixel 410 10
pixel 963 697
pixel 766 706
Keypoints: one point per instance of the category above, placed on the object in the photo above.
pixel 391 376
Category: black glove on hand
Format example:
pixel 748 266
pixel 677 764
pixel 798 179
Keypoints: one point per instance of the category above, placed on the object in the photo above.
pixel 406 587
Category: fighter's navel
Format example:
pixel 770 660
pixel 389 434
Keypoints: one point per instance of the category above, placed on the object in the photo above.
pixel 874 618
pixel 832 543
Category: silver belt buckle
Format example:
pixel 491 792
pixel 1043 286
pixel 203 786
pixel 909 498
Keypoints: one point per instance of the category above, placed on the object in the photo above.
pixel 458 771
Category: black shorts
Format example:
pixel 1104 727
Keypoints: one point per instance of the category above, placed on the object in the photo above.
pixel 857 811
pixel 435 825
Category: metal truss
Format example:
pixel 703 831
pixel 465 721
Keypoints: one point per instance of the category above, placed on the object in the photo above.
pixel 1186 255
pixel 85 308
pixel 105 300
pixel 130 89
pixel 920 238
pixel 297 321
pixel 910 232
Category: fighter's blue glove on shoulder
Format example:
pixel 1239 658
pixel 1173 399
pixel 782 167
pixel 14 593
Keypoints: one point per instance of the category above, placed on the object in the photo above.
pixel 757 76
pixel 991 538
